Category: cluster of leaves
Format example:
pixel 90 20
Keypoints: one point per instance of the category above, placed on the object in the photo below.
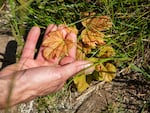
pixel 93 47
pixel 90 46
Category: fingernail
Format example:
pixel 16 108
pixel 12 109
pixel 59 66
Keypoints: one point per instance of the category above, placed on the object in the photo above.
pixel 88 68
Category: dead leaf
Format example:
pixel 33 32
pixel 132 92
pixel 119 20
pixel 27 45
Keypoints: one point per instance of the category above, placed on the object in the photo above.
pixel 73 29
pixel 85 49
pixel 80 55
pixel 56 45
pixel 80 82
pixel 91 38
pixel 101 69
pixel 106 73
pixel 69 29
pixel 111 69
pixel 98 23
pixel 106 51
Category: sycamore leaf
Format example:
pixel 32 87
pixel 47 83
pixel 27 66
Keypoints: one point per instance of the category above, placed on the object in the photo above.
pixel 80 55
pixel 103 75
pixel 106 51
pixel 96 76
pixel 73 29
pixel 98 23
pixel 106 73
pixel 91 38
pixel 83 49
pixel 69 29
pixel 56 45
pixel 81 83
pixel 87 49
pixel 111 69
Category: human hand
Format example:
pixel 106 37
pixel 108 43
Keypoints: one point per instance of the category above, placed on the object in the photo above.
pixel 37 77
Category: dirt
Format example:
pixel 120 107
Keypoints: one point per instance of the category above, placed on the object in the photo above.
pixel 122 95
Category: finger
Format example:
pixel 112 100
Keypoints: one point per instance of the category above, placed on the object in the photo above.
pixel 63 29
pixel 71 69
pixel 72 52
pixel 29 47
pixel 49 29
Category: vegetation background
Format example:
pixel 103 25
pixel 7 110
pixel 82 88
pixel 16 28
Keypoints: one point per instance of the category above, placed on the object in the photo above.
pixel 129 36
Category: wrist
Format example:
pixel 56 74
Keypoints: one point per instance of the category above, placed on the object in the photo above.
pixel 16 88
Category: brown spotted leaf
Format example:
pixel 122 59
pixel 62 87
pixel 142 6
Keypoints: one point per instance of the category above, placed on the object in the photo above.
pixel 106 72
pixel 80 55
pixel 70 29
pixel 98 23
pixel 91 38
pixel 106 51
pixel 80 82
pixel 56 45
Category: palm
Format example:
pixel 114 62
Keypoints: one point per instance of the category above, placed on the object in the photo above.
pixel 27 60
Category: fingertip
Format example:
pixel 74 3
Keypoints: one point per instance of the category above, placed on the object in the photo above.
pixel 31 41
pixel 34 32
pixel 36 28
pixel 72 36
pixel 73 68
pixel 51 27
pixel 61 26
pixel 72 51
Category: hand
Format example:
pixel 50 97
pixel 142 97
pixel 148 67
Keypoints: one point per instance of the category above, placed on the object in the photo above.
pixel 37 77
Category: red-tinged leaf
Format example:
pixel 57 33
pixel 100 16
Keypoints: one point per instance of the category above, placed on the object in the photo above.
pixel 56 45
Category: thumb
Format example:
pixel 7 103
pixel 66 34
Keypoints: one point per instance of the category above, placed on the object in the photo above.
pixel 73 68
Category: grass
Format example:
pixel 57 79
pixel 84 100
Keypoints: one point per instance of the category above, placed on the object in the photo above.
pixel 129 36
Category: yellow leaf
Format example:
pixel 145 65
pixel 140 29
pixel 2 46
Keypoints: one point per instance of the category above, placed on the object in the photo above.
pixel 82 49
pixel 107 72
pixel 111 69
pixel 56 45
pixel 103 75
pixel 91 38
pixel 98 23
pixel 106 51
pixel 80 82
pixel 96 76
pixel 87 49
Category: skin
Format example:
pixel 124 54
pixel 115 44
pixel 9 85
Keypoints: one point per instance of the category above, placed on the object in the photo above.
pixel 32 77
